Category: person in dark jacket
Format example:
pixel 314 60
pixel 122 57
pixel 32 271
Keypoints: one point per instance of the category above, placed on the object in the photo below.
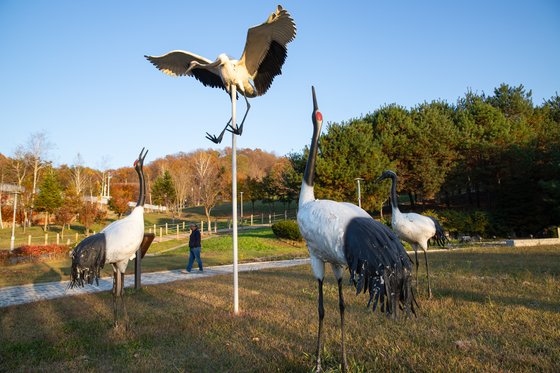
pixel 195 247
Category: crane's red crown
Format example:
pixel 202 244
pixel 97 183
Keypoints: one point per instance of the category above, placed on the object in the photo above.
pixel 318 116
pixel 135 162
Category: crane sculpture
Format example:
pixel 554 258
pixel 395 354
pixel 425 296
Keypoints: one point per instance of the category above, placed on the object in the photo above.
pixel 344 235
pixel 413 228
pixel 116 244
pixel 262 59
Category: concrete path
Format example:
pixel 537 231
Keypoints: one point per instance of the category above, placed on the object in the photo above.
pixel 13 295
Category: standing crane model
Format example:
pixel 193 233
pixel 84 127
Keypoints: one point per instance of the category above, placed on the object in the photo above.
pixel 262 59
pixel 344 235
pixel 116 244
pixel 413 228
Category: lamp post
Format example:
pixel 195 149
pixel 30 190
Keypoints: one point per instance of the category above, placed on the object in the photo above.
pixel 12 240
pixel 358 179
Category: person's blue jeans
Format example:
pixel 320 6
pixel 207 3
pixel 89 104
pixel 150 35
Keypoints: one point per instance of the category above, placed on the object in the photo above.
pixel 195 253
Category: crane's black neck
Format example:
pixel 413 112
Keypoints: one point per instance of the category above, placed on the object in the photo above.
pixel 317 119
pixel 394 200
pixel 142 194
pixel 309 174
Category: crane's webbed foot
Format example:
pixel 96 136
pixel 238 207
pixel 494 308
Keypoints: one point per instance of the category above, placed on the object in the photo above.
pixel 218 139
pixel 238 131
pixel 214 139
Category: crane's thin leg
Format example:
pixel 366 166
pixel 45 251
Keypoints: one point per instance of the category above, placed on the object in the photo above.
pixel 239 130
pixel 320 333
pixel 116 280
pixel 341 307
pixel 416 261
pixel 125 313
pixel 218 139
pixel 427 273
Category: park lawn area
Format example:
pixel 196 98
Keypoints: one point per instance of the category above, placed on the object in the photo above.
pixel 494 309
pixel 255 244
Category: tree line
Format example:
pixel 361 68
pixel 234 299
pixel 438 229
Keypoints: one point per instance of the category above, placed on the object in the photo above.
pixel 494 156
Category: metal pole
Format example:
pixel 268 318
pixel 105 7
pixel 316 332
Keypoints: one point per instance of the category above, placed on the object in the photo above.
pixel 14 223
pixel 138 269
pixel 234 199
pixel 359 192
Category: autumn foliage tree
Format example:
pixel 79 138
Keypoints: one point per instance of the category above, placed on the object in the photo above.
pixel 121 195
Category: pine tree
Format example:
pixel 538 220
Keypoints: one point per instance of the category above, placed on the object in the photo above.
pixel 50 196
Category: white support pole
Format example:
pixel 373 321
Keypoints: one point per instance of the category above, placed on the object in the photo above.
pixel 234 200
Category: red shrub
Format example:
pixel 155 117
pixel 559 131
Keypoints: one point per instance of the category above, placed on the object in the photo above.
pixel 29 250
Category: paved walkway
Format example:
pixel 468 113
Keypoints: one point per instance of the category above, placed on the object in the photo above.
pixel 13 295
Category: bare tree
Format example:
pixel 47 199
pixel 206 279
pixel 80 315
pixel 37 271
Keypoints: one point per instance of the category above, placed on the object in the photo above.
pixel 182 179
pixel 208 176
pixel 37 148
pixel 20 167
pixel 79 177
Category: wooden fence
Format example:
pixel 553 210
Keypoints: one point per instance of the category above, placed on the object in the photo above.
pixel 164 232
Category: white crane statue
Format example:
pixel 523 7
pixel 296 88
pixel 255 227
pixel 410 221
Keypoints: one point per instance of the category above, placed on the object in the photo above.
pixel 413 228
pixel 344 235
pixel 116 244
pixel 262 59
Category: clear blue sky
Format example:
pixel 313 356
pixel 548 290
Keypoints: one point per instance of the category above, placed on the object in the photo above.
pixel 76 70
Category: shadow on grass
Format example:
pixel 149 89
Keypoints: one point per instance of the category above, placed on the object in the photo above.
pixel 50 276
pixel 483 298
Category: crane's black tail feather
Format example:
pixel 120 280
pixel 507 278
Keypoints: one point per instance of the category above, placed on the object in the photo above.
pixel 378 263
pixel 440 237
pixel 88 258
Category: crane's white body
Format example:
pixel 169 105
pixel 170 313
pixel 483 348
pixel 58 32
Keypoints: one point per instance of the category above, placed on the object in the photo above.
pixel 322 224
pixel 232 72
pixel 413 228
pixel 124 237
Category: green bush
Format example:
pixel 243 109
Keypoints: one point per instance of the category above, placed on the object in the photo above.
pixel 461 222
pixel 287 229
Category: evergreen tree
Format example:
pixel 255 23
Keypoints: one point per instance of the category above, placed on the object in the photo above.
pixel 50 196
pixel 163 190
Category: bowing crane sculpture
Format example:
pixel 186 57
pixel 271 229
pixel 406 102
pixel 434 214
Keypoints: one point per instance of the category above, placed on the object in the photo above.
pixel 344 235
pixel 116 244
pixel 413 228
pixel 262 59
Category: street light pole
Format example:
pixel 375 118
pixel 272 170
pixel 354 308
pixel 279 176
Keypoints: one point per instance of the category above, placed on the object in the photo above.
pixel 358 179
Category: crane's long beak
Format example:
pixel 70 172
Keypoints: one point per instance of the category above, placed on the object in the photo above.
pixel 380 178
pixel 315 106
pixel 142 157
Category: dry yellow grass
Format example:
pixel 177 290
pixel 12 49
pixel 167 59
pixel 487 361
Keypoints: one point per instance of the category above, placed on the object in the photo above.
pixel 494 310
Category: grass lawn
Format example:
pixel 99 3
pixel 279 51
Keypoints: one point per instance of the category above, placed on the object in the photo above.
pixel 494 309
pixel 257 244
